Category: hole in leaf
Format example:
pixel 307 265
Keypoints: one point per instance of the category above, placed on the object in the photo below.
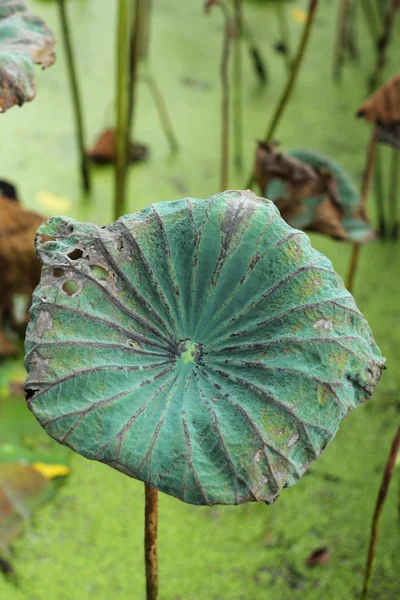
pixel 30 392
pixel 75 254
pixel 120 244
pixel 70 287
pixel 99 272
pixel 43 238
pixel 58 272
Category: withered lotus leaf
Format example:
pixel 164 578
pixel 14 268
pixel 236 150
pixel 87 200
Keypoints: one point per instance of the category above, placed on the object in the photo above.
pixel 383 109
pixel 104 150
pixel 202 346
pixel 19 265
pixel 24 41
pixel 384 105
pixel 313 193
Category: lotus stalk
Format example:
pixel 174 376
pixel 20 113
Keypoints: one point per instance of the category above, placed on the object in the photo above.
pixel 284 31
pixel 394 192
pixel 150 542
pixel 162 109
pixel 238 87
pixel 374 81
pixel 366 184
pixel 76 98
pixel 124 104
pixel 383 42
pixel 229 32
pixel 383 492
pixel 371 19
pixel 340 46
pixel 286 94
pixel 255 53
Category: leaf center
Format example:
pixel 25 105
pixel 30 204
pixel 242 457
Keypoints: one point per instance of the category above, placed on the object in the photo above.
pixel 190 352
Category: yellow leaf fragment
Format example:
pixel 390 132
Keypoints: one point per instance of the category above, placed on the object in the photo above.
pixel 51 471
pixel 52 202
pixel 299 15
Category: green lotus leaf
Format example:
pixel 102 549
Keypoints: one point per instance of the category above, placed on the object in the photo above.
pixel 24 41
pixel 354 224
pixel 201 346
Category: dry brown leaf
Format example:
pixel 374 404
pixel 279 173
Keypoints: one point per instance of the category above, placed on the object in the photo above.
pixel 25 40
pixel 383 106
pixel 271 164
pixel 302 181
pixel 327 220
pixel 104 150
pixel 19 266
pixel 314 193
pixel 320 556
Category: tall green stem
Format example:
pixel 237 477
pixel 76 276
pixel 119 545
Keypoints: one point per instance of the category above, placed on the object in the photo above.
pixel 122 95
pixel 340 46
pixel 238 87
pixel 374 81
pixel 162 110
pixel 371 19
pixel 383 491
pixel 366 184
pixel 145 36
pixel 294 73
pixel 379 193
pixel 225 101
pixel 284 31
pixel 150 542
pixel 383 42
pixel 225 96
pixel 284 99
pixel 84 162
pixel 138 25
pixel 394 192
pixel 259 65
pixel 144 21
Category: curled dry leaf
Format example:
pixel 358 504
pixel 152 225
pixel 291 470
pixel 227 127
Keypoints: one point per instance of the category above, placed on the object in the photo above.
pixel 384 105
pixel 383 109
pixel 19 266
pixel 213 355
pixel 104 150
pixel 24 41
pixel 312 193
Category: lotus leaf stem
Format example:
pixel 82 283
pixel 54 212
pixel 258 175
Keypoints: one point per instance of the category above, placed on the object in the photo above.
pixel 122 97
pixel 238 86
pixel 162 109
pixel 383 42
pixel 366 184
pixel 393 194
pixel 255 53
pixel 341 41
pixel 382 494
pixel 276 117
pixel 150 542
pixel 379 193
pixel 284 32
pixel 225 97
pixel 73 76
